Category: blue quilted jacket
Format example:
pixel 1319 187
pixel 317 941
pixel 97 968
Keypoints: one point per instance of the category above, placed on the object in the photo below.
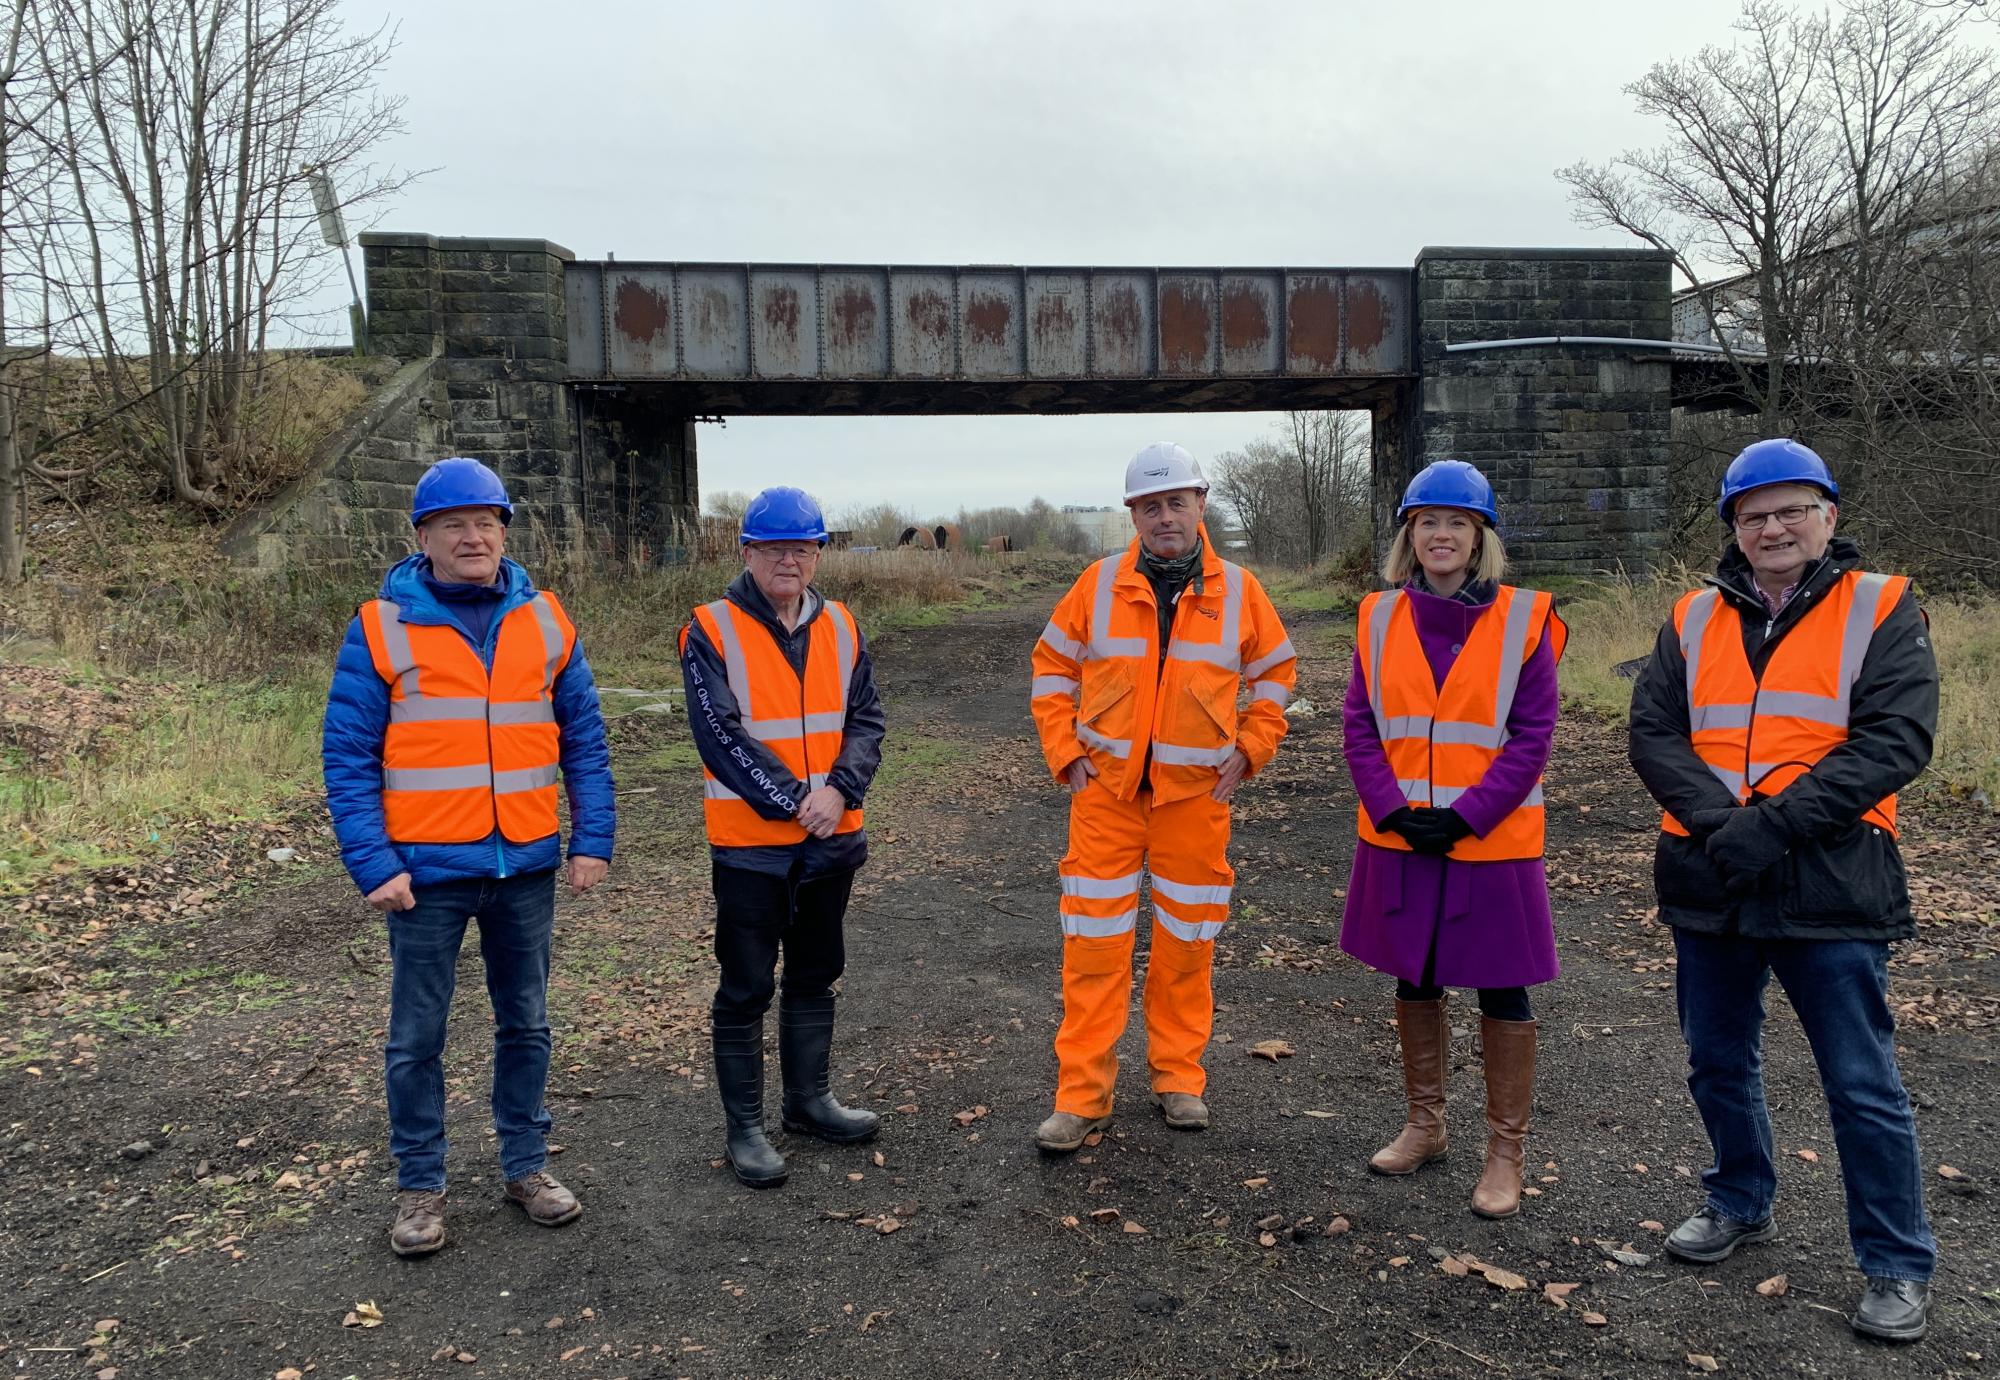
pixel 357 717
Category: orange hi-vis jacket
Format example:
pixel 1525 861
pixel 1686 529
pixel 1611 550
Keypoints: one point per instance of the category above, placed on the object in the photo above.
pixel 1102 689
pixel 1442 740
pixel 1758 734
pixel 800 721
pixel 468 751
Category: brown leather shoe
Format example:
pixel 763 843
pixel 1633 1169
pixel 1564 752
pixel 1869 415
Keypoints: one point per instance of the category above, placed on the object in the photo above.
pixel 1510 1102
pixel 1426 1033
pixel 1183 1111
pixel 546 1202
pixel 419 1228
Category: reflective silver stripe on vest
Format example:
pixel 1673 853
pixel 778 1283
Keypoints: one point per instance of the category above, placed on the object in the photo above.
pixel 1227 650
pixel 1189 895
pixel 1457 731
pixel 1694 624
pixel 1275 691
pixel 815 779
pixel 1378 636
pixel 1100 926
pixel 1513 651
pixel 1706 716
pixel 1061 643
pixel 513 713
pixel 552 638
pixel 1117 747
pixel 1102 644
pixel 396 645
pixel 439 778
pixel 1173 755
pixel 784 730
pixel 1414 789
pixel 1052 685
pixel 1733 780
pixel 1404 726
pixel 1859 633
pixel 844 653
pixel 735 668
pixel 421 710
pixel 1280 653
pixel 1100 888
pixel 1790 704
pixel 1443 797
pixel 711 789
pixel 523 779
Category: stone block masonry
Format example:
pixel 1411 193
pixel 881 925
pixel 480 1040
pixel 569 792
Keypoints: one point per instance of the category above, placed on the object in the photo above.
pixel 1574 437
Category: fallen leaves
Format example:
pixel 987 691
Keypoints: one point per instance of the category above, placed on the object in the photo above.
pixel 1558 1294
pixel 1774 1287
pixel 1945 1171
pixel 1702 1361
pixel 1274 1050
pixel 1132 1228
pixel 970 1115
pixel 1461 1266
pixel 1809 1156
pixel 364 1315
pixel 1595 1320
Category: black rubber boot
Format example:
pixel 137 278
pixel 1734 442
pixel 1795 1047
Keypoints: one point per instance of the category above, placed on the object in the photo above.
pixel 805 1045
pixel 739 1075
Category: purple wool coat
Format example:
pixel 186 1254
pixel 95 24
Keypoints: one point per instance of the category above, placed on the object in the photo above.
pixel 1490 919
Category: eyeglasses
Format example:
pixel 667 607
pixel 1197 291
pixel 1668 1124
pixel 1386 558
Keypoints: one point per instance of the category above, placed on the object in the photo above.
pixel 1790 516
pixel 777 555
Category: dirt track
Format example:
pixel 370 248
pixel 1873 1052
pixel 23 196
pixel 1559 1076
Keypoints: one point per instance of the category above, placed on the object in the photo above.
pixel 952 998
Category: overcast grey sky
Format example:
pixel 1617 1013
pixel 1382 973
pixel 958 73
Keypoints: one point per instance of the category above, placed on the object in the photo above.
pixel 1016 133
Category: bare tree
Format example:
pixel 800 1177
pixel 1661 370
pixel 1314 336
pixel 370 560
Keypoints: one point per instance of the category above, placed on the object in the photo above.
pixel 1828 186
pixel 186 239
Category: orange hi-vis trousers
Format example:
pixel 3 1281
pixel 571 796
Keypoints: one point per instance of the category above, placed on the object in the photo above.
pixel 1181 848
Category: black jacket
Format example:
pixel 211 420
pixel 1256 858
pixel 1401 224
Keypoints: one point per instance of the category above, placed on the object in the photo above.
pixel 1836 876
pixel 771 789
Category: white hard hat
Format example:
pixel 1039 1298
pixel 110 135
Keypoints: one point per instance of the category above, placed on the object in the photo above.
pixel 1160 467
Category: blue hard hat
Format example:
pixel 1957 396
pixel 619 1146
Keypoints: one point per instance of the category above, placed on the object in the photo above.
pixel 1780 461
pixel 459 482
pixel 783 514
pixel 1450 484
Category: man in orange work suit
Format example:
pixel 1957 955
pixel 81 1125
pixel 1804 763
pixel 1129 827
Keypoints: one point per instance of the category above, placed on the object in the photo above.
pixel 1137 678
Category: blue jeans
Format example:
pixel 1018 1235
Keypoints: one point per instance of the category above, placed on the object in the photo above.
pixel 1839 988
pixel 516 916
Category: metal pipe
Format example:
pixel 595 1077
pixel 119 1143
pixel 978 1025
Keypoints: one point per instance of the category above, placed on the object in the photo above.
pixel 1528 340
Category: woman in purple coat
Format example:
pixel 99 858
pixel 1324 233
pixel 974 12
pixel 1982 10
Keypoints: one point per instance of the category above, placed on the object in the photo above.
pixel 1449 714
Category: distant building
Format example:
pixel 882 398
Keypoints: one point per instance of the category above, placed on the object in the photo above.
pixel 1109 529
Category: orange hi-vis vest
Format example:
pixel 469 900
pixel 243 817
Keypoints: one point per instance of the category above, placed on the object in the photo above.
pixel 1441 740
pixel 469 751
pixel 1100 680
pixel 802 722
pixel 1758 734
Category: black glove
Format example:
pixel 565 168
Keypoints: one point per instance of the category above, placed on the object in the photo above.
pixel 1745 846
pixel 1702 823
pixel 1433 832
pixel 1398 821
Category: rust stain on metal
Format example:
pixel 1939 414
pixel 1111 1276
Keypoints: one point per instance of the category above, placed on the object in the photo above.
pixel 1246 319
pixel 853 315
pixel 986 318
pixel 713 315
pixel 1184 328
pixel 1054 321
pixel 781 311
pixel 929 313
pixel 1122 318
pixel 1367 315
pixel 1312 328
pixel 641 313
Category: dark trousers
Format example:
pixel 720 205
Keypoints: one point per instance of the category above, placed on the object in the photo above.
pixel 758 914
pixel 1496 1003
pixel 516 916
pixel 1839 988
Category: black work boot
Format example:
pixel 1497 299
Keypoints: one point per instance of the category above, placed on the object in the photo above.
pixel 805 1045
pixel 1708 1236
pixel 739 1075
pixel 1896 1310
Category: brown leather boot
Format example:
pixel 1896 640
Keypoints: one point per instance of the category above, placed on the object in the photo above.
pixel 1426 1041
pixel 1510 1102
pixel 546 1202
pixel 419 1227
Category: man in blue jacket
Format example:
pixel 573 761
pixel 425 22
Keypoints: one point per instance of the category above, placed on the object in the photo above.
pixel 460 694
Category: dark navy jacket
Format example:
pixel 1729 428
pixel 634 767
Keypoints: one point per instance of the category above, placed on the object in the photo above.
pixel 357 719
pixel 716 721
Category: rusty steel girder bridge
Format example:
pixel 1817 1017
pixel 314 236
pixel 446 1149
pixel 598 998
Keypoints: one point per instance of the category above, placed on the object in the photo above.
pixel 584 381
pixel 725 339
